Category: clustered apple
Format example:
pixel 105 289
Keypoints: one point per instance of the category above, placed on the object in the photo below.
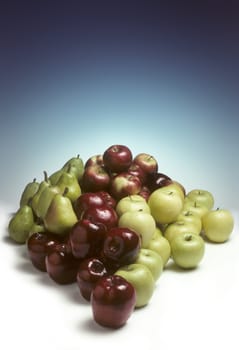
pixel 111 226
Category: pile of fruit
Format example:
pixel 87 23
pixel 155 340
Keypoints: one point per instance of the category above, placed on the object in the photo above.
pixel 111 225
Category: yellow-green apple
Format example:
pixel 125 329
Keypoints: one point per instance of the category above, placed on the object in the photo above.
pixel 187 250
pixel 152 260
pixel 178 227
pixel 202 197
pixel 132 203
pixel 188 216
pixel 165 205
pixel 142 280
pixel 218 225
pixel 178 187
pixel 194 207
pixel 141 222
pixel 161 246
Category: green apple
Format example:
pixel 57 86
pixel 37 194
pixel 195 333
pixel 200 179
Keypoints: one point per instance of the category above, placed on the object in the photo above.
pixel 165 205
pixel 218 225
pixel 176 186
pixel 132 203
pixel 161 246
pixel 194 207
pixel 190 217
pixel 179 227
pixel 152 260
pixel 142 280
pixel 187 250
pixel 202 197
pixel 141 222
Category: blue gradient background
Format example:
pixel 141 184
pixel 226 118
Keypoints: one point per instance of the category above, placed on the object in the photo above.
pixel 162 78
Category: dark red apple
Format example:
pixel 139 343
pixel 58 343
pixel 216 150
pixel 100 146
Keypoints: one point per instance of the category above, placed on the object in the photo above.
pixel 117 158
pixel 124 184
pixel 136 170
pixel 39 245
pixel 87 238
pixel 147 162
pixel 113 301
pixel 158 180
pixel 121 246
pixel 145 192
pixel 107 198
pixel 89 272
pixel 95 178
pixel 61 265
pixel 94 160
pixel 103 214
pixel 87 200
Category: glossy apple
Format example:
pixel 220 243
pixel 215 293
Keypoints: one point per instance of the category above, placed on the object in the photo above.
pixel 218 225
pixel 165 205
pixel 158 180
pixel 107 198
pixel 124 184
pixel 142 279
pixel 179 227
pixel 86 238
pixel 95 178
pixel 194 207
pixel 61 265
pixel 187 250
pixel 176 186
pixel 141 222
pixel 136 170
pixel 94 160
pixel 161 246
pixel 87 200
pixel 117 158
pixel 121 245
pixel 103 214
pixel 113 301
pixel 188 216
pixel 202 197
pixel 132 203
pixel 152 260
pixel 89 272
pixel 146 162
pixel 145 192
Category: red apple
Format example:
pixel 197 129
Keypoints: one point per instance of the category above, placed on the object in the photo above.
pixel 94 160
pixel 136 170
pixel 87 200
pixel 95 178
pixel 113 301
pixel 86 238
pixel 107 198
pixel 147 162
pixel 89 272
pixel 117 158
pixel 124 184
pixel 158 180
pixel 121 245
pixel 145 192
pixel 103 214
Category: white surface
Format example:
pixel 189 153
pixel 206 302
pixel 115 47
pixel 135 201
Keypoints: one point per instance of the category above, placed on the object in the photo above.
pixel 189 310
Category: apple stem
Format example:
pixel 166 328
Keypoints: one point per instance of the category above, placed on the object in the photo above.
pixel 188 237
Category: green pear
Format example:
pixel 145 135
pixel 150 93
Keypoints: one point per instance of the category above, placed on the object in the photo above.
pixel 54 177
pixel 45 199
pixel 77 166
pixel 69 180
pixel 29 191
pixel 21 223
pixel 34 202
pixel 60 216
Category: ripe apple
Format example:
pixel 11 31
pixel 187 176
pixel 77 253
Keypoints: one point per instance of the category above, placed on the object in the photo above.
pixel 124 184
pixel 194 207
pixel 141 222
pixel 121 246
pixel 132 203
pixel 218 225
pixel 161 246
pixel 94 160
pixel 136 170
pixel 117 158
pixel 177 187
pixel 145 192
pixel 146 162
pixel 188 216
pixel 202 197
pixel 95 178
pixel 103 214
pixel 87 200
pixel 178 227
pixel 165 205
pixel 142 279
pixel 152 260
pixel 107 198
pixel 158 180
pixel 187 250
pixel 113 301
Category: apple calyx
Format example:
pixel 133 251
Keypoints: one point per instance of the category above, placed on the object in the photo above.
pixel 188 237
